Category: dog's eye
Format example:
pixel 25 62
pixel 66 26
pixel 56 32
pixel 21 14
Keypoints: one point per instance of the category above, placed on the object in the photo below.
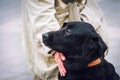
pixel 68 31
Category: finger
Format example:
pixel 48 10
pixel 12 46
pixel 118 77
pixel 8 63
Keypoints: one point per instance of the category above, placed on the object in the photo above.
pixel 62 69
pixel 62 56
pixel 61 66
pixel 59 62
pixel 58 58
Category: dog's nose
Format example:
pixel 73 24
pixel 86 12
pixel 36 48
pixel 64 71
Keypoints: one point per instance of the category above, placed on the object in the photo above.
pixel 45 36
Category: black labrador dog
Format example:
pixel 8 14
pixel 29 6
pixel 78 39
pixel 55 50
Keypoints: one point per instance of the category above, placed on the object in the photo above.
pixel 84 51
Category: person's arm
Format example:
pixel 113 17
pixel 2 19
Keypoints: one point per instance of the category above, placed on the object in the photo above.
pixel 41 15
pixel 93 15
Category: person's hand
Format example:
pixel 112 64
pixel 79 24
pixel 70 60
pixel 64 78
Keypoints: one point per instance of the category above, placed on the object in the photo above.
pixel 59 58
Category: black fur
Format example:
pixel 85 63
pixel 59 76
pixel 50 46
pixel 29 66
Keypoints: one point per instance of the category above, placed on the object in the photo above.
pixel 80 44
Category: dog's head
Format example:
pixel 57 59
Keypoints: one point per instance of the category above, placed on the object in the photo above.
pixel 78 41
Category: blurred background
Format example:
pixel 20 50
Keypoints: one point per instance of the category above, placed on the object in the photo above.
pixel 12 60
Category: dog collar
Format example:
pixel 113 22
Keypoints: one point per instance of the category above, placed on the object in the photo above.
pixel 94 63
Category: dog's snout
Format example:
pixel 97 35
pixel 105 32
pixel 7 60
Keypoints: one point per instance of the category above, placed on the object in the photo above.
pixel 45 36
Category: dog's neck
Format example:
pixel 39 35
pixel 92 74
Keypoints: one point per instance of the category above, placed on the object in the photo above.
pixel 94 63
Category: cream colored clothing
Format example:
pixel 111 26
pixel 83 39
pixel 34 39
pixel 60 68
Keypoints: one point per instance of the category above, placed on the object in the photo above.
pixel 40 16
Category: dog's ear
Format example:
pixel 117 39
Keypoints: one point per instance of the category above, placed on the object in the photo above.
pixel 91 44
pixel 102 47
pixel 95 45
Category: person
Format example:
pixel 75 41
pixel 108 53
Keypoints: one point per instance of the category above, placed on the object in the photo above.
pixel 40 16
